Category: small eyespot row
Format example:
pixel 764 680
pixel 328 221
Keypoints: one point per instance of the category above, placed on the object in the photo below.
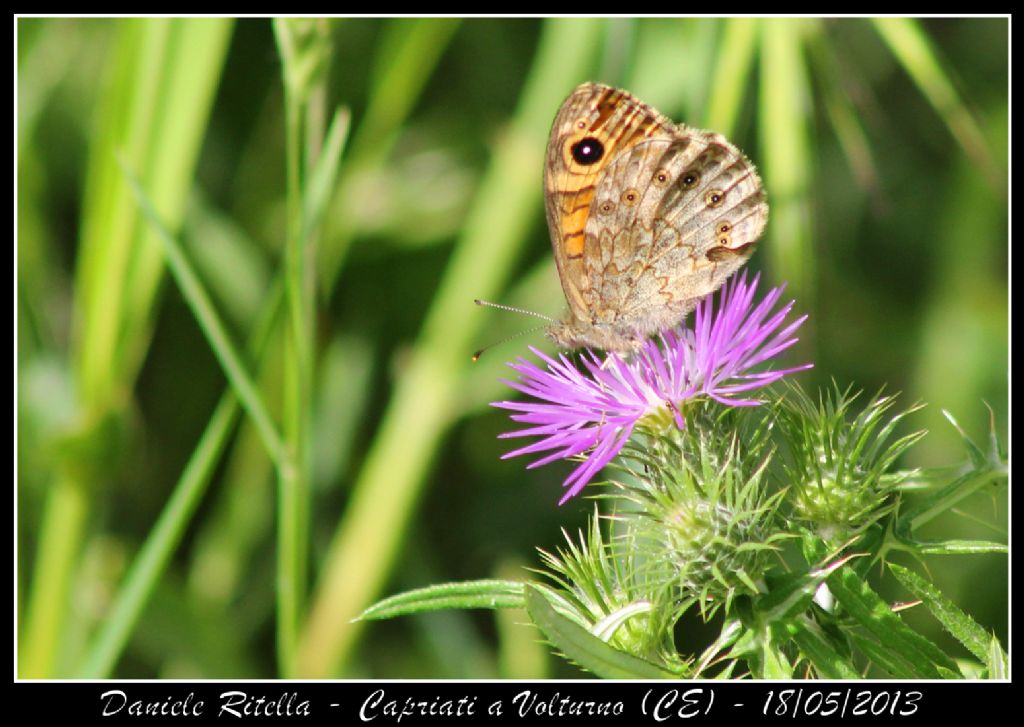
pixel 714 197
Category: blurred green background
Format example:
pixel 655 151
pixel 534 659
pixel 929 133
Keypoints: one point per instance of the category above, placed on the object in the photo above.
pixel 883 148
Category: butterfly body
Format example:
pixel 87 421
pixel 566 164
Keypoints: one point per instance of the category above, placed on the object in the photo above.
pixel 646 217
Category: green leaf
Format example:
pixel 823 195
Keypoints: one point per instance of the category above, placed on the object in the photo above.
pixel 759 645
pixel 973 450
pixel 732 631
pixel 941 501
pixel 792 594
pixel 996 453
pixel 884 657
pixel 585 649
pixel 868 609
pixel 998 661
pixel 325 174
pixel 963 628
pixel 818 649
pixel 492 594
pixel 774 664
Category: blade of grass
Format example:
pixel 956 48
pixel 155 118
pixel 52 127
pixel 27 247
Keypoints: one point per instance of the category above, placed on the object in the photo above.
pixel 847 125
pixel 214 330
pixel 733 63
pixel 407 55
pixel 304 47
pixel 785 143
pixel 617 53
pixel 167 88
pixel 520 655
pixel 963 334
pixel 909 43
pixel 46 58
pixel 657 72
pixel 670 68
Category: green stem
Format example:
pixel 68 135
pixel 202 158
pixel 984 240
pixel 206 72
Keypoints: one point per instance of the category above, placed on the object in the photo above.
pixel 290 481
pixel 304 48
pixel 59 538
pixel 948 497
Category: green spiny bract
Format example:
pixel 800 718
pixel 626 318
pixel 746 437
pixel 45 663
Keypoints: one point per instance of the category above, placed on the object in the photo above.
pixel 838 474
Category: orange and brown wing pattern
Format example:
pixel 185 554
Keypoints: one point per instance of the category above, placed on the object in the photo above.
pixel 595 125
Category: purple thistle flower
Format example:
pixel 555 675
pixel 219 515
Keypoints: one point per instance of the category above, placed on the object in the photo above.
pixel 596 409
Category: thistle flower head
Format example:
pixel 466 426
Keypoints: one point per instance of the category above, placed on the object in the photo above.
pixel 840 464
pixel 591 412
pixel 703 503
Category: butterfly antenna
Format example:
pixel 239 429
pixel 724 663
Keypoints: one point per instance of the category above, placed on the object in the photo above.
pixel 511 309
pixel 506 339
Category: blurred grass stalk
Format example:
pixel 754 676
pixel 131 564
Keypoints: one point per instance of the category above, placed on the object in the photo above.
pixel 148 565
pixel 785 138
pixel 364 547
pixel 154 110
pixel 733 64
pixel 409 51
pixel 305 49
pixel 953 347
pixel 312 163
pixel 909 43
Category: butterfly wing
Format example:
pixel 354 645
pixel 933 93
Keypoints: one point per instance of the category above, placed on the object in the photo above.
pixel 673 218
pixel 646 216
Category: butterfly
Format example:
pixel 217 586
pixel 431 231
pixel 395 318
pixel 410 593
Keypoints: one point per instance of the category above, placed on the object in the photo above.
pixel 646 217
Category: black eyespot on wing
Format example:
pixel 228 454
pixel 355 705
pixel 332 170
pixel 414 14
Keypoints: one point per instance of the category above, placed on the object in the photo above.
pixel 587 151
